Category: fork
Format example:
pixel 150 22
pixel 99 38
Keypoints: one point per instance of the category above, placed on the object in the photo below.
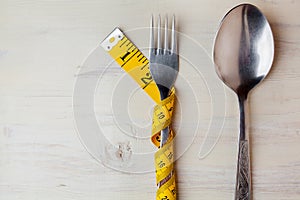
pixel 164 63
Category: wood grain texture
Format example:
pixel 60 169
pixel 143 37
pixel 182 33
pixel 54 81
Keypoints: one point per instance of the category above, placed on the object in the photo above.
pixel 42 44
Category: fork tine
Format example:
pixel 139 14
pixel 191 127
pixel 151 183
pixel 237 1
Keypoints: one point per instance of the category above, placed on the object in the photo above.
pixel 159 45
pixel 151 36
pixel 173 37
pixel 166 48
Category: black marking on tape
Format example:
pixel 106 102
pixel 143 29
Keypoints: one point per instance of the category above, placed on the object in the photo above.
pixel 130 47
pixel 144 60
pixel 144 65
pixel 123 42
pixel 147 83
pixel 134 49
pixel 129 42
pixel 129 58
pixel 141 58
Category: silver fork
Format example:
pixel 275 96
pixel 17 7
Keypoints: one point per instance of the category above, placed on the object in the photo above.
pixel 164 63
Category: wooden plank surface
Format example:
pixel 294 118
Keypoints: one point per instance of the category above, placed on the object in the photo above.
pixel 42 47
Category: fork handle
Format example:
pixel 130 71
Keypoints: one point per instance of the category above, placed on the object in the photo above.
pixel 164 134
pixel 243 177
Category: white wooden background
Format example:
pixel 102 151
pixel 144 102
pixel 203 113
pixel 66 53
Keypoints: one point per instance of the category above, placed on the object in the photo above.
pixel 42 44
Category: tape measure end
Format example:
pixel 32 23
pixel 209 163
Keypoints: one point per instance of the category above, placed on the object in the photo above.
pixel 112 39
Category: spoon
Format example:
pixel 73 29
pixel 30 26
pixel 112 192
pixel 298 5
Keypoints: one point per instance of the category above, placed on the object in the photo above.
pixel 243 56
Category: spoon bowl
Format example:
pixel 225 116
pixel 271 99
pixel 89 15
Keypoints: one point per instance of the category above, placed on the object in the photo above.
pixel 243 56
pixel 244 48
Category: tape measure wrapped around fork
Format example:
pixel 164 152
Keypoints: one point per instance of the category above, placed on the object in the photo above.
pixel 164 157
pixel 132 61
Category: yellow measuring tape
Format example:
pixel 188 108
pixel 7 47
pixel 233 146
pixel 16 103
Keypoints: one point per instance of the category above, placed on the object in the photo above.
pixel 132 60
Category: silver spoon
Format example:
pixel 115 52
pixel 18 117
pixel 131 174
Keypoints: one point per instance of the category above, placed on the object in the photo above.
pixel 243 55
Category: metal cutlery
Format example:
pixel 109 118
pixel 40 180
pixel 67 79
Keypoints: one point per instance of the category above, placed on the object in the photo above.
pixel 164 62
pixel 243 56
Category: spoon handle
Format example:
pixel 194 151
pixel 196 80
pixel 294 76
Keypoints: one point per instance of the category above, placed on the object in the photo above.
pixel 243 178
